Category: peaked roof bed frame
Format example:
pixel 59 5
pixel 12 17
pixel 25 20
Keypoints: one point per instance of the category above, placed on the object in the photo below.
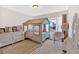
pixel 43 35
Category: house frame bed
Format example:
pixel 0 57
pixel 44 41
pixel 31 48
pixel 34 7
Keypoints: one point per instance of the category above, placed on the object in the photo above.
pixel 39 34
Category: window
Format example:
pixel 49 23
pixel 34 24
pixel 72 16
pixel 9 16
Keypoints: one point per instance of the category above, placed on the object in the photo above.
pixel 45 28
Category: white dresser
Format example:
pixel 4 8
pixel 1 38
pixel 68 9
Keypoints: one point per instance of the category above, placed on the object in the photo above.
pixel 11 37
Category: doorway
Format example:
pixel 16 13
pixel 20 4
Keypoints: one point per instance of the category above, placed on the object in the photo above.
pixel 59 24
pixel 65 25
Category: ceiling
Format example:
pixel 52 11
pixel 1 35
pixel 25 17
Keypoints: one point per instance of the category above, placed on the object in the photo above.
pixel 41 10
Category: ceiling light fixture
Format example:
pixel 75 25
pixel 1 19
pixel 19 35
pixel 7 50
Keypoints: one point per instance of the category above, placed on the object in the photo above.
pixel 35 6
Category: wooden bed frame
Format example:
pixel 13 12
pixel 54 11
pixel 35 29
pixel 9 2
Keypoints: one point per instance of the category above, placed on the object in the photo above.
pixel 43 32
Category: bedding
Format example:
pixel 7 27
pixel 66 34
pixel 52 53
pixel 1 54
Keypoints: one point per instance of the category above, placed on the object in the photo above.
pixel 36 36
pixel 11 37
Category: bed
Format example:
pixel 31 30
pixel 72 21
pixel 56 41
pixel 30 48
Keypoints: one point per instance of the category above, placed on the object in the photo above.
pixel 37 29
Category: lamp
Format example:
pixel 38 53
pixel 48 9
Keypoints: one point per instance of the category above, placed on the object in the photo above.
pixel 35 6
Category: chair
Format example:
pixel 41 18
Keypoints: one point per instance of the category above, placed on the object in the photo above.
pixel 58 39
pixel 59 36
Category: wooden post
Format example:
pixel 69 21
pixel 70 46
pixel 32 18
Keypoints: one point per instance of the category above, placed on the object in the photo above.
pixel 49 30
pixel 33 29
pixel 27 31
pixel 23 27
pixel 40 32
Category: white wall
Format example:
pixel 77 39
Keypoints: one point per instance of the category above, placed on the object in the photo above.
pixel 59 20
pixel 11 18
pixel 71 11
pixel 0 19
pixel 54 14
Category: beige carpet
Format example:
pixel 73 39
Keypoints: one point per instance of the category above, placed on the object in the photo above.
pixel 25 46
pixel 49 47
